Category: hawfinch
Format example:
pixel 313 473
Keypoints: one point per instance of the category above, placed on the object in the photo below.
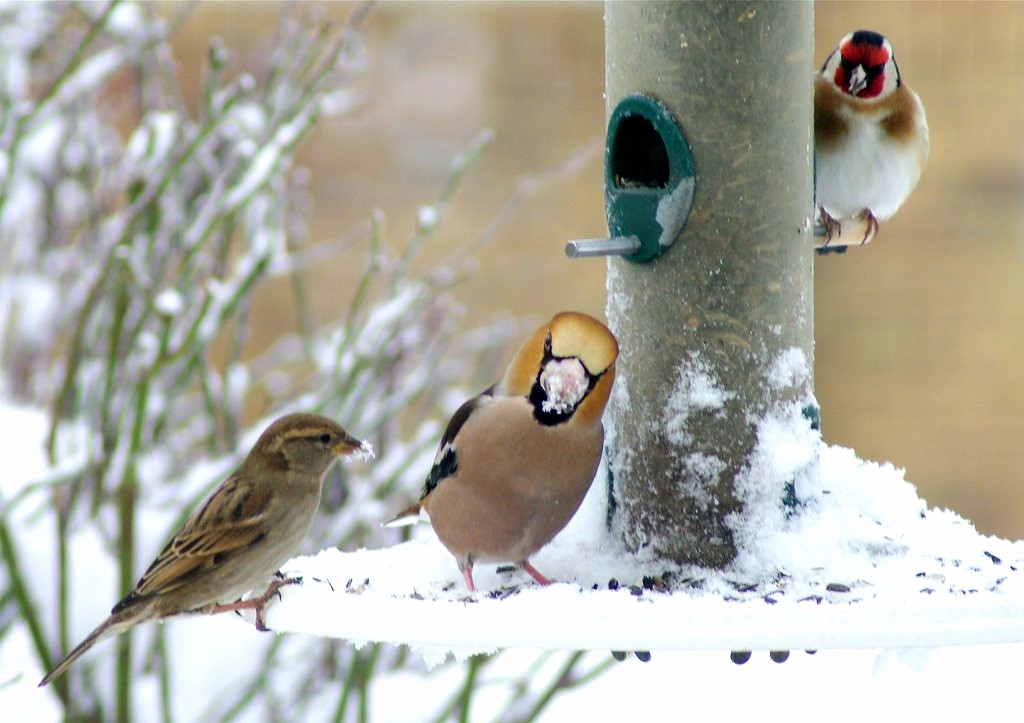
pixel 870 135
pixel 251 525
pixel 516 461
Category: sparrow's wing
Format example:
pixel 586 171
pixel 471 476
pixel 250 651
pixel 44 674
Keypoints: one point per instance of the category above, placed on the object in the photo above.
pixel 231 520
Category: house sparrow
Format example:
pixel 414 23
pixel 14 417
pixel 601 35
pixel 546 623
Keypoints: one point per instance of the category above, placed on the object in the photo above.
pixel 242 534
pixel 516 461
pixel 870 135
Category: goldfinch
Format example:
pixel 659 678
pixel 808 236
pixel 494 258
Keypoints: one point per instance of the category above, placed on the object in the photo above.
pixel 251 525
pixel 870 135
pixel 516 461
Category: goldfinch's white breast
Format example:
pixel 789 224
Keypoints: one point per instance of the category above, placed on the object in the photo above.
pixel 868 168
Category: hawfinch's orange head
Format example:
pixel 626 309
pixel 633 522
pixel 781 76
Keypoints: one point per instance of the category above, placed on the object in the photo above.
pixel 566 369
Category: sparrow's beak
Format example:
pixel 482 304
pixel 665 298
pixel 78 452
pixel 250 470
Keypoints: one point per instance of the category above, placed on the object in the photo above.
pixel 858 80
pixel 350 445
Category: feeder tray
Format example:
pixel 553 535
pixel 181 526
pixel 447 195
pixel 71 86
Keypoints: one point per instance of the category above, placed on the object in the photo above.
pixel 896 575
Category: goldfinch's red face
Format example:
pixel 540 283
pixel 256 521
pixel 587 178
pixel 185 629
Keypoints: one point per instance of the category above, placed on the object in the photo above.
pixel 863 66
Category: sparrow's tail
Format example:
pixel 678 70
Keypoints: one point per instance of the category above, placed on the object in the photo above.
pixel 114 625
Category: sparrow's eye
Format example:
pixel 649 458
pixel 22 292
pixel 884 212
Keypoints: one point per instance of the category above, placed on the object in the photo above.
pixel 324 439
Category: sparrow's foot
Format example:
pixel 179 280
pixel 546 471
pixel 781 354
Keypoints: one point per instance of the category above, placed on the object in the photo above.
pixel 258 603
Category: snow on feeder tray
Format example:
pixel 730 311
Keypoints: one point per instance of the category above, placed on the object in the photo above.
pixel 861 563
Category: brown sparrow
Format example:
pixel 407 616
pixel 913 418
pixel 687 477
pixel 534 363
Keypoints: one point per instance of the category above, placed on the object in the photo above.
pixel 870 135
pixel 252 524
pixel 516 461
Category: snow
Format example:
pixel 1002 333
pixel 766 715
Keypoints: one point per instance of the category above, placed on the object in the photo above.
pixel 785 453
pixel 169 302
pixel 153 141
pixel 246 120
pixel 14 75
pixel 696 391
pixel 867 566
pixel 271 154
pixel 34 303
pixel 21 446
pixel 19 675
pixel 41 146
pixel 364 452
pixel 863 572
pixel 788 369
pixel 672 210
pixel 383 328
pixel 128 20
pixel 564 382
pixel 91 73
pixel 426 217
pixel 342 102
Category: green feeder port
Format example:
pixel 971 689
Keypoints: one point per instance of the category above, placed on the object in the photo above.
pixel 648 182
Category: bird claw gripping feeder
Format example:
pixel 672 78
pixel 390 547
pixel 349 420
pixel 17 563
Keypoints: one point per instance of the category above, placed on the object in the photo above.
pixel 648 182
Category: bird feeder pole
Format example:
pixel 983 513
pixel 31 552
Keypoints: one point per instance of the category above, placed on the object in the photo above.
pixel 722 300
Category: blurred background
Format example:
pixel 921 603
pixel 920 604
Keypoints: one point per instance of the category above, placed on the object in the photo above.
pixel 919 336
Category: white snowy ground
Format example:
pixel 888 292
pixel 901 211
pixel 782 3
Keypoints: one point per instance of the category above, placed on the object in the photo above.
pixel 913 614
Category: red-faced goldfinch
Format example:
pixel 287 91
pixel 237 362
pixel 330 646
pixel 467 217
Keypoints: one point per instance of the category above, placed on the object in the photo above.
pixel 870 135
pixel 516 461
pixel 252 524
